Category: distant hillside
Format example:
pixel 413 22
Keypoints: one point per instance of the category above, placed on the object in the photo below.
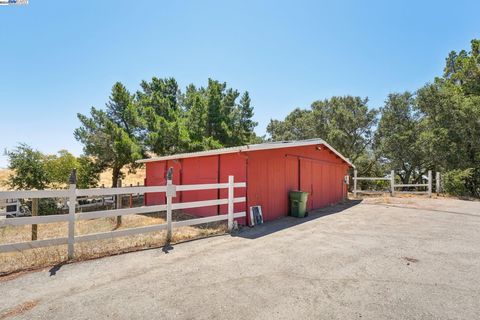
pixel 105 178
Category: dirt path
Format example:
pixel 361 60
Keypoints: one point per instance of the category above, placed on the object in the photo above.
pixel 417 260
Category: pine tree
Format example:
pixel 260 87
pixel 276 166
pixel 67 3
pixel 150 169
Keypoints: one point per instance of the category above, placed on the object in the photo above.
pixel 247 125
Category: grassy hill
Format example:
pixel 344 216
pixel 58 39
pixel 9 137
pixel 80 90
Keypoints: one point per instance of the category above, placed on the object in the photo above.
pixel 105 178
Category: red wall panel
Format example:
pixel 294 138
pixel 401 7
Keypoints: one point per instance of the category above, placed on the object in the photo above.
pixel 273 173
pixel 306 180
pixel 155 172
pixel 199 171
pixel 233 164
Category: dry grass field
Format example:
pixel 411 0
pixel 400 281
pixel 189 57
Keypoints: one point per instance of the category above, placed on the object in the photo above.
pixel 44 257
pixel 4 173
pixel 105 178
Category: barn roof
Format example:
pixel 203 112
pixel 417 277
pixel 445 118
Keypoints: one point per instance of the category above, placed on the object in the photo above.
pixel 247 148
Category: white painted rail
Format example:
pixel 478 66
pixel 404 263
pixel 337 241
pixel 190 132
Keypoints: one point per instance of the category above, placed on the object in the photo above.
pixel 393 185
pixel 117 191
pixel 411 185
pixel 356 178
pixel 33 194
pixel 72 193
pixel 33 220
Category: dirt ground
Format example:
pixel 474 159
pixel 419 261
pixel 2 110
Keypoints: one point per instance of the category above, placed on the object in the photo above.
pixel 400 258
pixel 47 256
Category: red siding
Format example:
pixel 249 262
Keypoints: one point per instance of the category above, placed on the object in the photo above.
pixel 270 175
pixel 155 172
pixel 198 171
pixel 233 164
pixel 273 173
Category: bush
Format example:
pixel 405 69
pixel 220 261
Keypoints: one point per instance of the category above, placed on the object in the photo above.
pixel 461 182
pixel 46 206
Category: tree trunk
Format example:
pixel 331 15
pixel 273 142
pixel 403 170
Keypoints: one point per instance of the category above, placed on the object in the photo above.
pixel 115 175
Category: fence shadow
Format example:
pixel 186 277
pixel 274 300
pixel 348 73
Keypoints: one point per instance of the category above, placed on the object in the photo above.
pixel 288 222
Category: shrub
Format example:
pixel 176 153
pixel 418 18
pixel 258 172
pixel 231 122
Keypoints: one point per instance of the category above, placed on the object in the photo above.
pixel 459 182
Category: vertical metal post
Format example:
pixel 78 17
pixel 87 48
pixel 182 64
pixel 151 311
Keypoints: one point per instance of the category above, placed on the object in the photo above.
pixel 392 183
pixel 355 183
pixel 118 204
pixel 437 182
pixel 231 188
pixel 430 183
pixel 72 200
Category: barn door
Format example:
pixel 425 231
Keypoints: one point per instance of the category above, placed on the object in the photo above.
pixel 306 182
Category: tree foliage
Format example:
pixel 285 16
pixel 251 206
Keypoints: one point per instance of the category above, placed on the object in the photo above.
pixel 346 123
pixel 29 169
pixel 112 136
pixel 440 128
pixel 162 120
pixel 435 128
pixel 33 169
pixel 396 138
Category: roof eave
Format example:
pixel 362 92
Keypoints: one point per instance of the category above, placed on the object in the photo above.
pixel 247 148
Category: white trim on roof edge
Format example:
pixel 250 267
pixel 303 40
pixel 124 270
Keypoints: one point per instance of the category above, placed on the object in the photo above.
pixel 247 148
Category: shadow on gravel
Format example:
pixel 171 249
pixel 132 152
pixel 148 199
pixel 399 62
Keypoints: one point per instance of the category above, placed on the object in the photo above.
pixel 288 222
pixel 55 268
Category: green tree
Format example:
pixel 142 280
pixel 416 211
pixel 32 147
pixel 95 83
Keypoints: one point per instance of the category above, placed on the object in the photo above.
pixel 463 69
pixel 29 169
pixel 59 167
pixel 397 135
pixel 297 125
pixel 164 127
pixel 451 127
pixel 112 137
pixel 88 174
pixel 216 126
pixel 246 124
pixel 346 123
pixel 214 118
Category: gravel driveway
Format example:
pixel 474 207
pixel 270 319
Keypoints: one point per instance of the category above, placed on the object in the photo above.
pixel 406 259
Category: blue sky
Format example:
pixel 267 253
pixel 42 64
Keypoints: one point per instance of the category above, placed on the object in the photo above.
pixel 61 57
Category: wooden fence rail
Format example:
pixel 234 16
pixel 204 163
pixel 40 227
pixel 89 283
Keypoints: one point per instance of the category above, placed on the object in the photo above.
pixel 393 185
pixel 72 193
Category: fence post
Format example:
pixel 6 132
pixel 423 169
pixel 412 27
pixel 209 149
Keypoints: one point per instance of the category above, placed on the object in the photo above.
pixel 72 198
pixel 34 213
pixel 437 183
pixel 231 188
pixel 392 182
pixel 118 204
pixel 170 193
pixel 355 183
pixel 430 183
pixel 130 200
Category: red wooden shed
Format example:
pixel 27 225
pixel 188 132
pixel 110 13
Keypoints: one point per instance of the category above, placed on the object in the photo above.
pixel 270 171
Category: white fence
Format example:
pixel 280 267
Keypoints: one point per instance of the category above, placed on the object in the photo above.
pixel 393 186
pixel 72 193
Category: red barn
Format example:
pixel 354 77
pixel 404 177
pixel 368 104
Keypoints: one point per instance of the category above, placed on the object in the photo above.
pixel 270 171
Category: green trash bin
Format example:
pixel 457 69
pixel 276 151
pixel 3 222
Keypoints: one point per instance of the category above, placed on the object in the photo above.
pixel 298 203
